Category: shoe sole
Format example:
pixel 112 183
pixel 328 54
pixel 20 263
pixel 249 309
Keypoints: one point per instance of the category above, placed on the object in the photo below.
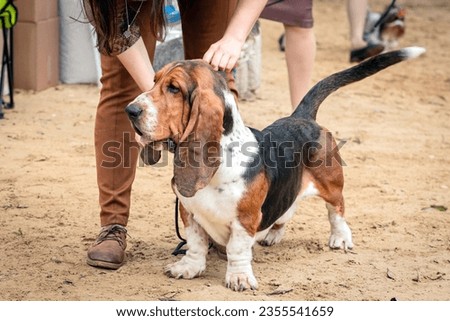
pixel 103 264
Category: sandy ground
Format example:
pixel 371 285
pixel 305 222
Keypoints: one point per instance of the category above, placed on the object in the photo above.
pixel 397 141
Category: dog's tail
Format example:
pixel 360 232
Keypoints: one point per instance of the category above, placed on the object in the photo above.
pixel 309 105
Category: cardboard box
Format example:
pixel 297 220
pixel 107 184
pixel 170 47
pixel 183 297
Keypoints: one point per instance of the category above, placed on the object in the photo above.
pixel 36 54
pixel 36 10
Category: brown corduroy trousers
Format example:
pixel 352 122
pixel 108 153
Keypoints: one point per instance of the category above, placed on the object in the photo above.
pixel 203 22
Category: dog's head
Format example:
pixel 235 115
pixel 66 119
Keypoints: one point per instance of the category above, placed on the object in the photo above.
pixel 186 106
pixel 393 26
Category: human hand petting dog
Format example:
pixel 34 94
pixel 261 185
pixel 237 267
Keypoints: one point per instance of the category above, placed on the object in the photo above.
pixel 224 54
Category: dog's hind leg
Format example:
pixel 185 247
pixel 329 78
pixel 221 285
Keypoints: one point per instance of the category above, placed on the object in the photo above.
pixel 341 235
pixel 325 173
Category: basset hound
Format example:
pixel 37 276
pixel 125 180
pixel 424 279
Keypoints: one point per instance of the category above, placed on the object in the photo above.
pixel 239 185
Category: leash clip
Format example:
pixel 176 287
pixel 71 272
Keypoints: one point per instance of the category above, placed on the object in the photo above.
pixel 178 250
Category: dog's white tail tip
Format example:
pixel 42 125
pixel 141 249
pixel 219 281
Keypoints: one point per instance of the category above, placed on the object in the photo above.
pixel 413 52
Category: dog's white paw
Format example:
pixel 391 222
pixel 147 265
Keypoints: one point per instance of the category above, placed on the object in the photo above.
pixel 184 269
pixel 341 237
pixel 241 281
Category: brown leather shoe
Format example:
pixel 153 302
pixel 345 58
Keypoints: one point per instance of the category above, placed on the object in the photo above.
pixel 108 250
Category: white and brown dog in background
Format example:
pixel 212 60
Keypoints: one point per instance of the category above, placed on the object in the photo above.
pixel 387 27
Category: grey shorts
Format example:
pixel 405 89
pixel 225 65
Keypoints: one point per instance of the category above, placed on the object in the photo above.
pixel 290 12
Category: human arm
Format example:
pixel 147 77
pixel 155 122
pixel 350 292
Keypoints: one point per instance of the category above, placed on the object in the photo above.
pixel 108 22
pixel 224 53
pixel 137 62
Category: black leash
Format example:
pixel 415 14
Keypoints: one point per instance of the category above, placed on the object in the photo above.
pixel 179 249
pixel 383 16
pixel 171 146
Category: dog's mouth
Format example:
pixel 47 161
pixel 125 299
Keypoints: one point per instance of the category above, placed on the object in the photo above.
pixel 157 145
pixel 136 129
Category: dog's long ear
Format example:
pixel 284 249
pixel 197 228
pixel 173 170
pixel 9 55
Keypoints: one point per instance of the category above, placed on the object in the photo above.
pixel 198 153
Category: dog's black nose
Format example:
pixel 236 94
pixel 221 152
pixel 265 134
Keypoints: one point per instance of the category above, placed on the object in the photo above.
pixel 133 111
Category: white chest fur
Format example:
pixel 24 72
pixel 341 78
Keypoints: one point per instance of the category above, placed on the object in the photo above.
pixel 215 206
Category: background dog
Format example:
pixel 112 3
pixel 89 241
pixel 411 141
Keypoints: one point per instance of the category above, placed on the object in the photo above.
pixel 386 27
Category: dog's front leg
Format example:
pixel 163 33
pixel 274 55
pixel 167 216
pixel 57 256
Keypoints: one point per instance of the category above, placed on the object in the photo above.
pixel 194 262
pixel 239 275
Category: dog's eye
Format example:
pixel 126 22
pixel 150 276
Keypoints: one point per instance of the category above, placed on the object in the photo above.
pixel 173 89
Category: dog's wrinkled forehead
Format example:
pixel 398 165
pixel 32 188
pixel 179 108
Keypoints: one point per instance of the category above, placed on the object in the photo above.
pixel 197 71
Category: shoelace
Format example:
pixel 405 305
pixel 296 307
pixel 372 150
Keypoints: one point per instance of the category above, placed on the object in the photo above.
pixel 112 233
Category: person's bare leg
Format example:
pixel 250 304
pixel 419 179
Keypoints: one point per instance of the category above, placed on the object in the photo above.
pixel 360 49
pixel 300 55
pixel 357 11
